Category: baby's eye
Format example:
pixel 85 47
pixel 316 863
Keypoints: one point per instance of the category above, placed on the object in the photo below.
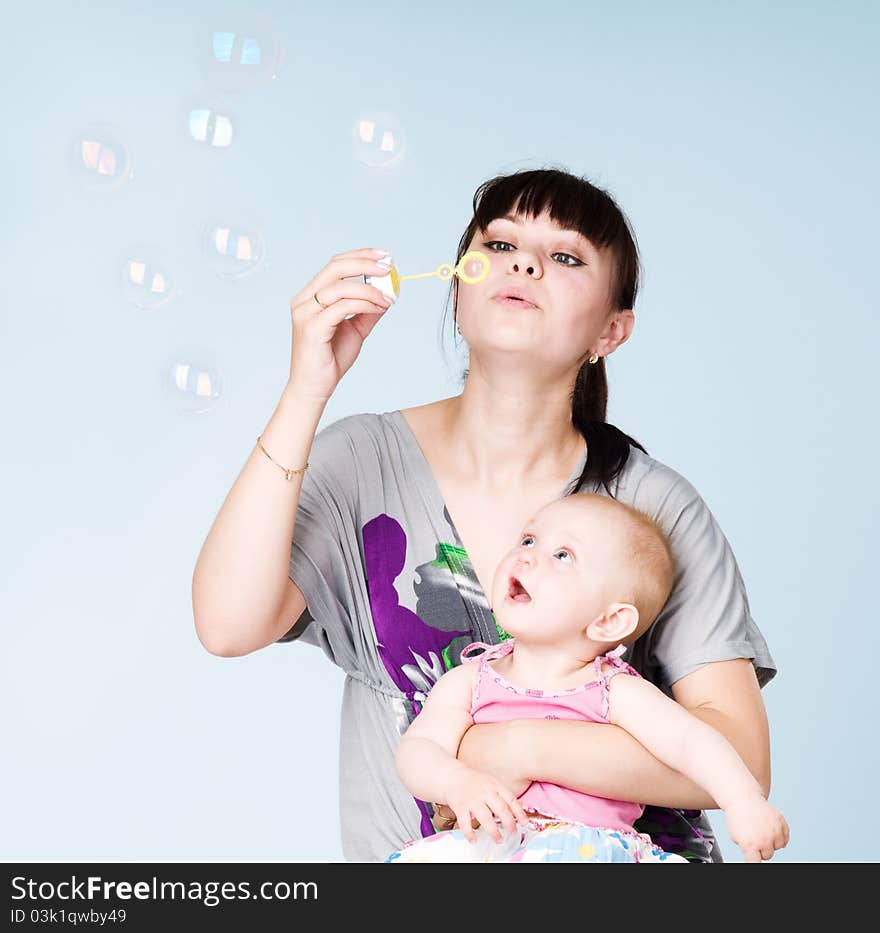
pixel 527 538
pixel 563 551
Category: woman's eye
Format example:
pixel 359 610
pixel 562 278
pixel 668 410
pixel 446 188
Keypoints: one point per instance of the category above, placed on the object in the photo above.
pixel 491 244
pixel 575 262
pixel 526 538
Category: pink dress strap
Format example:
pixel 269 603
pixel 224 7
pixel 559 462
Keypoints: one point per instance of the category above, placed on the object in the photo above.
pixel 488 653
pixel 613 658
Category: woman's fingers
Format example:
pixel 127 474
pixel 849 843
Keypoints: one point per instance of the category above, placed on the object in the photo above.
pixel 444 817
pixel 329 280
pixel 356 296
pixel 338 311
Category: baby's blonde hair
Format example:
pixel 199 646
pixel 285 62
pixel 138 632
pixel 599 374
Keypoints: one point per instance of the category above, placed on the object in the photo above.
pixel 648 572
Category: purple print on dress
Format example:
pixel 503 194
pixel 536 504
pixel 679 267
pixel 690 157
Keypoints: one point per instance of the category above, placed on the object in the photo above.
pixel 408 647
pixel 411 651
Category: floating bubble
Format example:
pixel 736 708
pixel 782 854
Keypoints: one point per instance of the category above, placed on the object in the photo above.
pixel 240 50
pixel 379 139
pixel 210 126
pixel 147 282
pixel 234 252
pixel 99 158
pixel 191 383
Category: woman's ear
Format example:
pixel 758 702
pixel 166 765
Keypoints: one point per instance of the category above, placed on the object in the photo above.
pixel 615 623
pixel 617 332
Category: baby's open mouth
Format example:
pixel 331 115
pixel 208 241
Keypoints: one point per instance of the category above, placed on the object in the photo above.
pixel 517 592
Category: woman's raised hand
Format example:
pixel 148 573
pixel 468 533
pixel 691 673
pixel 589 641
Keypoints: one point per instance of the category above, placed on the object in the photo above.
pixel 324 345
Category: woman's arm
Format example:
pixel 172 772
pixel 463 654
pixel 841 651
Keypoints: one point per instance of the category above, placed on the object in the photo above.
pixel 681 740
pixel 605 760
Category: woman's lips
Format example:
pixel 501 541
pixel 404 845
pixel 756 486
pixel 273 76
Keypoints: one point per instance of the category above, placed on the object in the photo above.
pixel 515 302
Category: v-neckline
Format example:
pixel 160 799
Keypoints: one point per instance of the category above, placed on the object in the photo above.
pixel 432 489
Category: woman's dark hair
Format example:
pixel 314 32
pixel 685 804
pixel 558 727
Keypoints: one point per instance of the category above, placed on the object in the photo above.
pixel 575 204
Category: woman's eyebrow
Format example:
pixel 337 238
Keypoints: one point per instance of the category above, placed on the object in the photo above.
pixel 575 235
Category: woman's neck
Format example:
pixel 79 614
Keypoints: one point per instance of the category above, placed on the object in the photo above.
pixel 511 440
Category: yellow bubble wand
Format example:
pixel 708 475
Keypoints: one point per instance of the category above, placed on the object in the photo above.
pixel 473 267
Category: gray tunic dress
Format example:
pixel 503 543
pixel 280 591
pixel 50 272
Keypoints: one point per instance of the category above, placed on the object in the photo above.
pixel 392 599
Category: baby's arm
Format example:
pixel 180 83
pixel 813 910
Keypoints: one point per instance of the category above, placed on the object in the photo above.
pixel 426 754
pixel 691 746
pixel 426 762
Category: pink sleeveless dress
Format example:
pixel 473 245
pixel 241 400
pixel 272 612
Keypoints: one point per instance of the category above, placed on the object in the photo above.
pixel 565 825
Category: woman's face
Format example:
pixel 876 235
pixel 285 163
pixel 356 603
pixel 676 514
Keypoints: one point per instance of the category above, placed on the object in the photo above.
pixel 565 277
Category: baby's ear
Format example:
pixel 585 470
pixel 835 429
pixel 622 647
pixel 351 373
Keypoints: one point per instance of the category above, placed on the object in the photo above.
pixel 615 623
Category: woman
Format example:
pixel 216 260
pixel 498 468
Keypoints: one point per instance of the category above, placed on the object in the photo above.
pixel 397 521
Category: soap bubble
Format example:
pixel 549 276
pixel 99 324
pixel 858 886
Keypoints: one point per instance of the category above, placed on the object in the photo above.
pixel 147 283
pixel 211 125
pixel 99 158
pixel 234 252
pixel 379 139
pixel 240 50
pixel 191 382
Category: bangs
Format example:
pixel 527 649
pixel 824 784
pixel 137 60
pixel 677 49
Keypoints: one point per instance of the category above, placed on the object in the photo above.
pixel 570 203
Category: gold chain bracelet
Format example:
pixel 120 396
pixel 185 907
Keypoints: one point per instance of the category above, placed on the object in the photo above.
pixel 288 474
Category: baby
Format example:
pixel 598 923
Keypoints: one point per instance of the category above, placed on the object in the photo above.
pixel 587 578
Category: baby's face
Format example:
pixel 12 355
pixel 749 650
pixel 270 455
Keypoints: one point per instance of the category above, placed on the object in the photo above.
pixel 561 574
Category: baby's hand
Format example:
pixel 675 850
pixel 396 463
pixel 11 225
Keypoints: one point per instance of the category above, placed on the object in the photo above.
pixel 757 827
pixel 472 793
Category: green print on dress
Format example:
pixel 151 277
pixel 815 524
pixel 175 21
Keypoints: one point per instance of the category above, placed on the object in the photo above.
pixel 454 559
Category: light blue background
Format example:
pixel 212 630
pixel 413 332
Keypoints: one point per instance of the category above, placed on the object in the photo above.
pixel 741 140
